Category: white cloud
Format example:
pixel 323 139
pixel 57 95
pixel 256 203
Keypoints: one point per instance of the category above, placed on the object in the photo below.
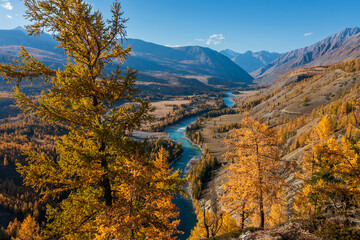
pixel 307 34
pixel 174 46
pixel 6 4
pixel 8 16
pixel 215 39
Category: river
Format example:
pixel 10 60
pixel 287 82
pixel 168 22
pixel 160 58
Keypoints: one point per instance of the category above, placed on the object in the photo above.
pixel 177 133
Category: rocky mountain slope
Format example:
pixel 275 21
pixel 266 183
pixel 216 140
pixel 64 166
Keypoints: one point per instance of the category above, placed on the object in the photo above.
pixel 251 61
pixel 339 47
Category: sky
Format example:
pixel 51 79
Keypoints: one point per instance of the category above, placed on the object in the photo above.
pixel 239 25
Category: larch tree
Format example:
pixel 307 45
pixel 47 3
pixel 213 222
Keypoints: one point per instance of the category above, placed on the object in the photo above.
pixel 211 221
pixel 103 184
pixel 29 229
pixel 330 173
pixel 254 182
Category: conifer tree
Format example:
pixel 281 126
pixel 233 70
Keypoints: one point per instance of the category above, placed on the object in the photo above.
pixel 211 222
pixel 104 185
pixel 254 181
pixel 29 229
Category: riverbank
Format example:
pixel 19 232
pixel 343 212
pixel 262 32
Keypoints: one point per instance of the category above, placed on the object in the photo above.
pixel 190 151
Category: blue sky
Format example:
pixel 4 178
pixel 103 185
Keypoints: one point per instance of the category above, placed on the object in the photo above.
pixel 240 25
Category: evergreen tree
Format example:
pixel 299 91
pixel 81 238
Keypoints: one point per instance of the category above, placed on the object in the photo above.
pixel 108 188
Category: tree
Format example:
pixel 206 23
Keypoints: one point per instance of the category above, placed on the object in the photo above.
pixel 29 229
pixel 254 181
pixel 325 128
pixel 211 222
pixel 105 187
pixel 331 178
pixel 6 162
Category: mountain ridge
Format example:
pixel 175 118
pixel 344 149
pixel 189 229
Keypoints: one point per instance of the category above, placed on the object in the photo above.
pixel 336 48
pixel 193 67
pixel 251 61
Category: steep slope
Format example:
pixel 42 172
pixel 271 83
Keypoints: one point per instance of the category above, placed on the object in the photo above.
pixel 181 70
pixel 190 61
pixel 251 61
pixel 339 47
pixel 294 105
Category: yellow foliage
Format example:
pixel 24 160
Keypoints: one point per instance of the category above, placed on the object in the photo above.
pixel 325 128
pixel 254 182
pixel 211 223
pixel 29 229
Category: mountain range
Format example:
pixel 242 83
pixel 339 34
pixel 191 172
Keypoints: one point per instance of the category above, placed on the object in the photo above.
pixel 339 47
pixel 170 70
pixel 251 61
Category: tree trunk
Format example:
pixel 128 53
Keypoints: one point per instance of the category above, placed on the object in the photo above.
pixel 242 220
pixel 262 214
pixel 261 197
pixel 106 181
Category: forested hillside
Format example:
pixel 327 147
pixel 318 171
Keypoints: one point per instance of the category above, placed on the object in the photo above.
pixel 306 131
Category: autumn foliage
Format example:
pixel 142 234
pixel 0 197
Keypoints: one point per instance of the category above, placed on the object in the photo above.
pixel 254 185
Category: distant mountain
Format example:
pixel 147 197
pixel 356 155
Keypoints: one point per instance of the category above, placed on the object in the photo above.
pixel 251 61
pixel 339 47
pixel 170 69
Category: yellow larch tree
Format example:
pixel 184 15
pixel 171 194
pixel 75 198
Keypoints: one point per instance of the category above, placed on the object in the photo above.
pixel 211 222
pixel 101 185
pixel 254 182
pixel 29 230
pixel 330 171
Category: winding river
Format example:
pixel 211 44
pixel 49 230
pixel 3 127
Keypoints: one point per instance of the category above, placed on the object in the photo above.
pixel 177 133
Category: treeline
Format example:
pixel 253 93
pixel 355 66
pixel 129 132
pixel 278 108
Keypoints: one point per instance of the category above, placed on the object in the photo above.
pixel 197 105
pixel 24 134
pixel 349 66
pixel 216 113
pixel 202 172
pixel 225 128
pixel 19 200
pixel 195 137
pixel 173 150
pixel 339 113
pixel 192 133
pixel 246 105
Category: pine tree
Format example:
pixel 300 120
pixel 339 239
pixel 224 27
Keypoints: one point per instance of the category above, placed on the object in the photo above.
pixel 254 181
pixel 108 188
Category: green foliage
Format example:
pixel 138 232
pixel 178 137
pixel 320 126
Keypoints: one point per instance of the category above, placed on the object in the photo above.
pixel 173 150
pixel 202 172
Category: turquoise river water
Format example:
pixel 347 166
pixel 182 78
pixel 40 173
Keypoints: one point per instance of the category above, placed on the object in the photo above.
pixel 177 133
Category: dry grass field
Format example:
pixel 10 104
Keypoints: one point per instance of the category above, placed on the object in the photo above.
pixel 164 107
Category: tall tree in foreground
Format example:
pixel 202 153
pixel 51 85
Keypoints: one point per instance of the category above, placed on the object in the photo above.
pixel 105 186
pixel 254 181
